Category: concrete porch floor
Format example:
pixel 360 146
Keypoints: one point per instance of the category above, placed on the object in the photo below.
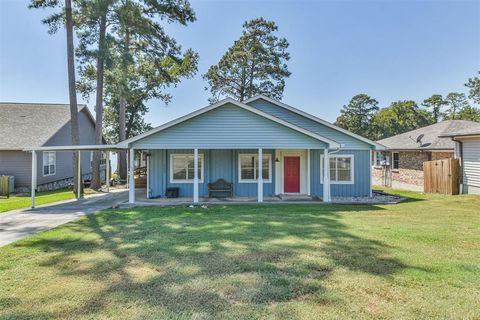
pixel 141 200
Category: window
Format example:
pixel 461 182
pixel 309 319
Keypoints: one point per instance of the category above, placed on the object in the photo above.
pixel 395 160
pixel 379 158
pixel 103 158
pixel 182 168
pixel 248 167
pixel 49 163
pixel 341 169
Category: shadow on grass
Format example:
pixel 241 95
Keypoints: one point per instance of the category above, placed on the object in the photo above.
pixel 186 260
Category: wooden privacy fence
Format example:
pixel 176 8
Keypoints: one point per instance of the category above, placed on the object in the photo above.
pixel 441 176
pixel 4 186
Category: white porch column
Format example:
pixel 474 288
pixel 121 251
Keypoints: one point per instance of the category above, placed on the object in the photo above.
pixel 107 172
pixel 260 175
pixel 370 171
pixel 326 177
pixel 79 172
pixel 131 180
pixel 148 176
pixel 195 176
pixel 34 177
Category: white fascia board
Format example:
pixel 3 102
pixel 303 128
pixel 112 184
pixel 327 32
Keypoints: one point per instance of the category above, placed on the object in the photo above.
pixel 331 143
pixel 99 147
pixel 316 119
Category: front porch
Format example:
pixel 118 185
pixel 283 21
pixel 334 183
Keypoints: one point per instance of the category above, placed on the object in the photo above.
pixel 142 200
pixel 255 175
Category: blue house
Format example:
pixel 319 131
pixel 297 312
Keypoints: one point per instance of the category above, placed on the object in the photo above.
pixel 262 146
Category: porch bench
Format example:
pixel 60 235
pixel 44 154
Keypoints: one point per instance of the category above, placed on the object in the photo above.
pixel 220 186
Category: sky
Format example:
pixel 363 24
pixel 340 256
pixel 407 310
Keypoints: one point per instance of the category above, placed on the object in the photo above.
pixel 390 50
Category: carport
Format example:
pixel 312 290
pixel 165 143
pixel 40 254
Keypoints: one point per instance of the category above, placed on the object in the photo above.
pixel 79 148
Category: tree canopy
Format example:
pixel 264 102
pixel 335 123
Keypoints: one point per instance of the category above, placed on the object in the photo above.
pixel 357 115
pixel 255 64
pixel 399 117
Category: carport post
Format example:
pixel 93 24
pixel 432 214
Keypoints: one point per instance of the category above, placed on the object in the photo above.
pixel 79 172
pixel 34 174
pixel 131 181
pixel 107 173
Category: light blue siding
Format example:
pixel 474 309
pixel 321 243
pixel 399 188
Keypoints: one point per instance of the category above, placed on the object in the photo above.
pixel 228 127
pixel 218 164
pixel 309 124
pixel 224 164
pixel 362 176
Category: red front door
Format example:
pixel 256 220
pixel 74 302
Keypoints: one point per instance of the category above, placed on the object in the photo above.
pixel 291 174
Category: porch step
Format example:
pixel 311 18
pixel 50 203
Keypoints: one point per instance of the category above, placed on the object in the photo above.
pixel 295 197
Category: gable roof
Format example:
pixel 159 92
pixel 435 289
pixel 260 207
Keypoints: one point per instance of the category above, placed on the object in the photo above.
pixel 470 130
pixel 26 125
pixel 434 136
pixel 223 102
pixel 314 118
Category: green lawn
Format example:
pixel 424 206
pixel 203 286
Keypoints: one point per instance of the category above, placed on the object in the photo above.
pixel 418 259
pixel 25 201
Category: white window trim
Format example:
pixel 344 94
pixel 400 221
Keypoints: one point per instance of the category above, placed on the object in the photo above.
pixel 54 164
pixel 352 165
pixel 268 155
pixel 201 171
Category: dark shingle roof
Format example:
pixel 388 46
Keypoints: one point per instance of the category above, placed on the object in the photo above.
pixel 24 125
pixel 434 136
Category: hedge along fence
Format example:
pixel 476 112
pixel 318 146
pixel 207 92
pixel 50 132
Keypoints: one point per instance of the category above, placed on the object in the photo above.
pixel 4 186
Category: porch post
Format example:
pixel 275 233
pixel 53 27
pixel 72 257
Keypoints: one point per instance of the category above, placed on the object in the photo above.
pixel 326 176
pixel 34 174
pixel 195 175
pixel 79 172
pixel 260 175
pixel 107 172
pixel 131 180
pixel 148 176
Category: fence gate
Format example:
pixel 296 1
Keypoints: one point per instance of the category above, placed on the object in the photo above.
pixel 441 176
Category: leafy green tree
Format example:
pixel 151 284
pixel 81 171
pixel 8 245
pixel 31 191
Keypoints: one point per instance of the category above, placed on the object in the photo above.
pixel 399 117
pixel 357 115
pixel 72 91
pixel 143 61
pixel 474 88
pixel 469 113
pixel 255 64
pixel 435 102
pixel 456 102
pixel 143 41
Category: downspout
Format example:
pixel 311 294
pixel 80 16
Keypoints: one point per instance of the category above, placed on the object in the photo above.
pixel 326 174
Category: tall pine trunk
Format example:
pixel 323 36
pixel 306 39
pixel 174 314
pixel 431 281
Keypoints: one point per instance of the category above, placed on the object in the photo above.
pixel 122 155
pixel 96 181
pixel 72 94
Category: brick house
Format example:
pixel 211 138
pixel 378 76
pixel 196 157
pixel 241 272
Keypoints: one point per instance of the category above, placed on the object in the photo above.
pixel 401 165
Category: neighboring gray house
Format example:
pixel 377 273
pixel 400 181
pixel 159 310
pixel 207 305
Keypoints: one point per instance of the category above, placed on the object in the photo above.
pixel 401 166
pixel 25 125
pixel 468 151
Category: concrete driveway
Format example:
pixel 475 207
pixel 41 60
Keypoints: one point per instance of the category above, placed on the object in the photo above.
pixel 18 224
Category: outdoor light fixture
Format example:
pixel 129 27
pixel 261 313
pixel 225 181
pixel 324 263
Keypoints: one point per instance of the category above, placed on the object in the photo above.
pixel 276 160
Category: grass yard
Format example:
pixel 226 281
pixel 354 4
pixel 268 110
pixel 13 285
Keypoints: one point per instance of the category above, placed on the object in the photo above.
pixel 418 259
pixel 25 201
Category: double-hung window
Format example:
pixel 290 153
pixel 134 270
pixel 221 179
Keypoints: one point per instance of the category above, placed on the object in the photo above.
pixel 182 168
pixel 49 159
pixel 379 158
pixel 395 160
pixel 248 167
pixel 341 169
